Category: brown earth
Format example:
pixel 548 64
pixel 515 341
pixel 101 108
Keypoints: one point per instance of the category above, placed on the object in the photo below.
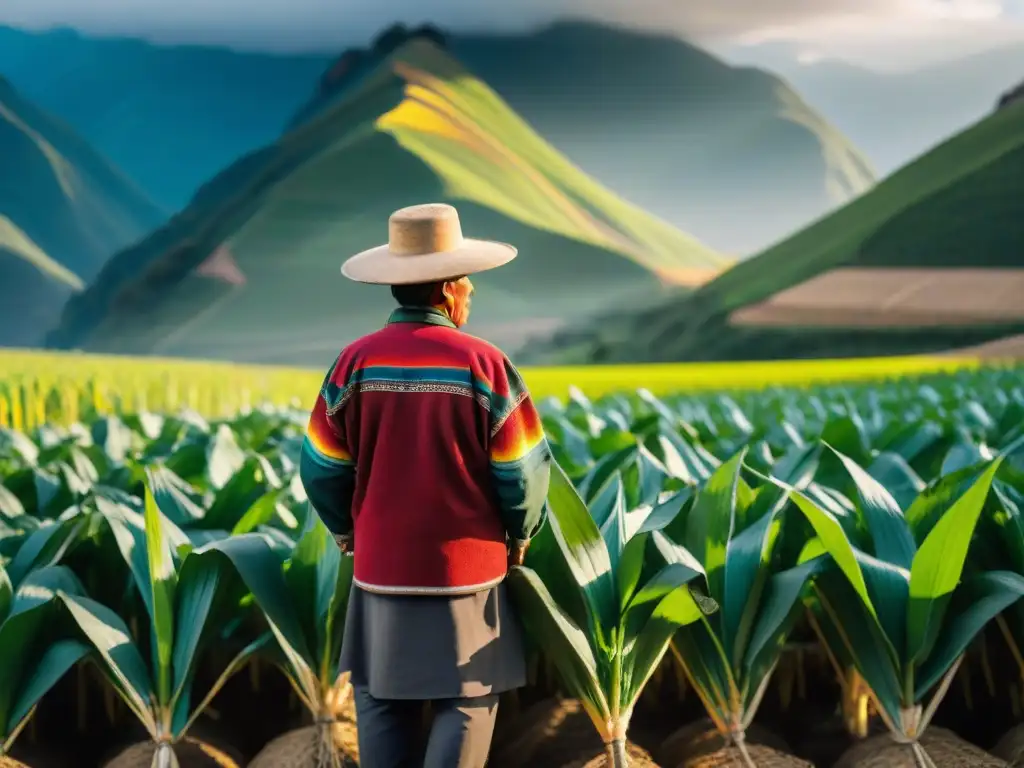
pixel 860 297
pixel 1009 348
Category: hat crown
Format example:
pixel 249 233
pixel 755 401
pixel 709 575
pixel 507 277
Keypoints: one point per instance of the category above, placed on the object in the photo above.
pixel 422 229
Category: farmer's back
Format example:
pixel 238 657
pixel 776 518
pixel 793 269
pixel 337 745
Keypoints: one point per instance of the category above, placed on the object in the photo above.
pixel 425 457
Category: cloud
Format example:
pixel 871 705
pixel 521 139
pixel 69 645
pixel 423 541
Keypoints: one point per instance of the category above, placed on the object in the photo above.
pixel 834 25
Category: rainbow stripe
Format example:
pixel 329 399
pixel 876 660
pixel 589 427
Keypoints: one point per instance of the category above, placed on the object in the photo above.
pixel 520 434
pixel 327 446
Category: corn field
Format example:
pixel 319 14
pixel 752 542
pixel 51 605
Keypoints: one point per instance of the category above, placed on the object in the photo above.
pixel 37 388
pixel 825 575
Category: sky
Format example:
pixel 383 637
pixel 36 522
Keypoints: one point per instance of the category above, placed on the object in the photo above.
pixel 882 34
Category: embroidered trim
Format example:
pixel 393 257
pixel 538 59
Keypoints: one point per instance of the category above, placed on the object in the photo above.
pixel 415 386
pixel 512 409
pixel 346 395
pixel 389 590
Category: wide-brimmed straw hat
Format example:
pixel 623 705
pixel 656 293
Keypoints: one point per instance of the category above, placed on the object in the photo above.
pixel 425 245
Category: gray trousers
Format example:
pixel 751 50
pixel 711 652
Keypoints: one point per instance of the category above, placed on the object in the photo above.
pixel 460 735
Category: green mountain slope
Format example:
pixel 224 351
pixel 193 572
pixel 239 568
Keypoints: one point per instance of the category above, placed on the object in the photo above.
pixel 63 211
pixel 895 116
pixel 959 207
pixel 730 154
pixel 249 271
pixel 204 107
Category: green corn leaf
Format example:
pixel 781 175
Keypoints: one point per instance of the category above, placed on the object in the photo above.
pixel 224 457
pixel 977 601
pixel 28 615
pixel 933 503
pixel 198 583
pixel 336 616
pixel 893 542
pixel 163 579
pixel 109 636
pixel 178 500
pixel 312 577
pixel 260 570
pixel 676 609
pixel 776 614
pixel 46 673
pixel 710 523
pixel 856 636
pixel 897 477
pixel 939 564
pixel 746 563
pixel 833 538
pixel 585 552
pixel 7 592
pixel 604 470
pixel 613 531
pixel 563 642
pixel 889 588
pixel 44 546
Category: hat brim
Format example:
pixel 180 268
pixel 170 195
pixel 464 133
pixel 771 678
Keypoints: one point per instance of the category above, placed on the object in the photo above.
pixel 380 266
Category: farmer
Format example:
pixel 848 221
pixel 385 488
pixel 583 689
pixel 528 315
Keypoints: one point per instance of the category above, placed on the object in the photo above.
pixel 426 459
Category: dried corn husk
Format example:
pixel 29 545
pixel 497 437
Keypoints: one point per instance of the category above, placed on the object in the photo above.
pixel 324 745
pixel 10 762
pixel 944 748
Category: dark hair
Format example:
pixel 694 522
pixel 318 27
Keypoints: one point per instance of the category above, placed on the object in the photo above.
pixel 417 294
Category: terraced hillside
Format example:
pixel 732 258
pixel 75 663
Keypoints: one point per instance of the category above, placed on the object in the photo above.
pixel 927 261
pixel 249 271
pixel 63 211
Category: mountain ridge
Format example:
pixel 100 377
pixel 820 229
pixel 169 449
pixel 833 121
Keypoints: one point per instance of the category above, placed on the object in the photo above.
pixel 665 124
pixel 950 220
pixel 281 220
pixel 70 211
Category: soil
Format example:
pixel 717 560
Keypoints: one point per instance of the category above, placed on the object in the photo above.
pixel 945 748
pixel 702 738
pixel 300 749
pixel 553 732
pixel 192 753
pixel 1011 747
pixel 638 758
pixel 732 757
pixel 866 297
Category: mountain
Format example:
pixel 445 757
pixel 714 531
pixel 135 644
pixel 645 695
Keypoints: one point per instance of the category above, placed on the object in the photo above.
pixel 249 270
pixel 64 209
pixel 932 259
pixel 731 154
pixel 169 116
pixel 665 124
pixel 895 116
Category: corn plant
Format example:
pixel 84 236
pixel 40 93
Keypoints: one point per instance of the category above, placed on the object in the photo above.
pixel 35 657
pixel 619 610
pixel 304 599
pixel 892 605
pixel 733 531
pixel 182 593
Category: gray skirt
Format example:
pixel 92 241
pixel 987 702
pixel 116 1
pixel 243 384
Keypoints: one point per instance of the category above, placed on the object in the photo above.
pixel 433 646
